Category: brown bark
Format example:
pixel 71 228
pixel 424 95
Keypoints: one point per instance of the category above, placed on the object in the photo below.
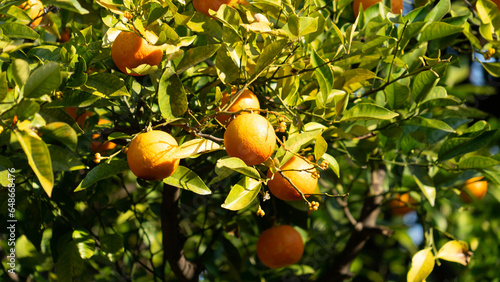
pixel 172 243
pixel 364 229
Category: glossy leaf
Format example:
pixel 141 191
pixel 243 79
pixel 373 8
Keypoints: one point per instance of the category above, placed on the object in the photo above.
pixel 268 55
pixel 43 80
pixel 462 145
pixel 102 171
pixel 196 55
pixel 492 68
pixel 20 71
pixel 5 165
pixel 365 111
pixel 423 84
pixel 236 164
pixel 85 243
pixel 429 123
pixel 295 144
pixel 17 30
pixel 186 179
pixel 455 251
pixel 242 194
pixel 300 26
pixel 422 265
pixel 38 156
pixel 107 85
pixel 65 160
pixel 61 132
pixel 332 163
pixel 439 30
pixel 439 11
pixel 396 94
pixel 324 76
pixel 111 243
pixel 69 264
pixel 320 147
pixel 26 109
pixel 477 162
pixel 195 147
pixel 172 97
pixel 424 182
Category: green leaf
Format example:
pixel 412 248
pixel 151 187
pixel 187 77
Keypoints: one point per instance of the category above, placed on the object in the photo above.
pixel 61 132
pixel 236 164
pixel 462 145
pixel 196 55
pixel 71 5
pixel 5 165
pixel 429 123
pixel 492 68
pixel 442 8
pixel 43 80
pixel 455 251
pixel 396 94
pixel 195 147
pixel 295 144
pixel 111 243
pixel 4 88
pixel 17 30
pixel 493 175
pixel 423 85
pixel 172 97
pixel 300 26
pixel 20 71
pixel 332 163
pixel 102 171
pixel 38 156
pixel 107 85
pixel 26 109
pixel 320 147
pixel 324 76
pixel 424 182
pixel 227 69
pixel 85 243
pixel 268 55
pixel 65 160
pixel 354 76
pixel 366 111
pixel 437 30
pixel 242 194
pixel 477 162
pixel 186 179
pixel 422 265
pixel 70 263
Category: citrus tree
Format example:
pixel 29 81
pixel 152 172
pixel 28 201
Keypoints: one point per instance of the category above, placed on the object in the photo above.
pixel 156 140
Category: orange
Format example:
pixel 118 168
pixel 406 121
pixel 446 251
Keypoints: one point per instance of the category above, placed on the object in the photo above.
pixel 71 111
pixel 36 11
pixel 300 173
pixel 280 246
pixel 396 5
pixel 129 50
pixel 149 155
pixel 98 146
pixel 246 100
pixel 399 204
pixel 251 138
pixel 203 6
pixel 82 118
pixel 475 188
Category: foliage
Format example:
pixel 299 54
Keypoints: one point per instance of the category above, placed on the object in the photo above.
pixel 383 98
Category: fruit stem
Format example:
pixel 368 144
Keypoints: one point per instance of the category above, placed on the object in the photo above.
pixel 293 185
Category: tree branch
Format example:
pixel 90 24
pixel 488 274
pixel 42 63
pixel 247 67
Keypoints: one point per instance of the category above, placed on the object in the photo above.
pixel 363 230
pixel 172 243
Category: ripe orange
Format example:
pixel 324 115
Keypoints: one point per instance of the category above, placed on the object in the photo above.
pixel 98 146
pixel 300 173
pixel 280 246
pixel 396 5
pixel 129 50
pixel 399 204
pixel 251 138
pixel 247 100
pixel 36 11
pixel 71 111
pixel 149 155
pixel 203 6
pixel 82 118
pixel 65 35
pixel 475 188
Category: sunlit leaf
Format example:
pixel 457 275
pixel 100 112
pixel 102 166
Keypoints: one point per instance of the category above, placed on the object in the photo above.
pixel 195 147
pixel 424 182
pixel 38 156
pixel 422 265
pixel 268 55
pixel 332 163
pixel 17 30
pixel 365 111
pixel 477 162
pixel 196 55
pixel 43 80
pixel 85 243
pixel 61 132
pixel 102 171
pixel 461 145
pixel 242 194
pixel 107 85
pixel 172 97
pixel 455 251
pixel 186 179
pixel 238 165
